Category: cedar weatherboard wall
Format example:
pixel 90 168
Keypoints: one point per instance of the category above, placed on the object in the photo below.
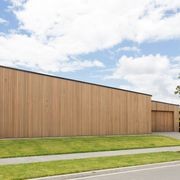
pixel 36 105
pixel 164 117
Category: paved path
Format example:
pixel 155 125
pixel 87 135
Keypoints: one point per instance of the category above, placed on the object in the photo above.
pixel 165 171
pixel 33 159
pixel 175 135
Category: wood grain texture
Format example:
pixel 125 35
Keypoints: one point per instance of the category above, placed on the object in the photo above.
pixel 162 121
pixel 33 105
pixel 164 117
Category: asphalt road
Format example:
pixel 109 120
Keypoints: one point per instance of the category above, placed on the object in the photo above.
pixel 157 172
pixel 160 171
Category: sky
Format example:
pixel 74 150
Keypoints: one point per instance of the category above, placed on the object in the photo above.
pixel 133 45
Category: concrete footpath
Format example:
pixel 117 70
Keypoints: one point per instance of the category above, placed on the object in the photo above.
pixel 33 159
pixel 175 135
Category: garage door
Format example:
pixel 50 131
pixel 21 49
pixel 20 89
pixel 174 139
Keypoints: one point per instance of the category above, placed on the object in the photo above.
pixel 162 121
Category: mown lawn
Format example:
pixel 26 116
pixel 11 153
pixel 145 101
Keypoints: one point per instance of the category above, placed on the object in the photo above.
pixel 25 171
pixel 45 146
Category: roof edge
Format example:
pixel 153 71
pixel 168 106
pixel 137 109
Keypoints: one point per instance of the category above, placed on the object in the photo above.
pixel 63 78
pixel 165 103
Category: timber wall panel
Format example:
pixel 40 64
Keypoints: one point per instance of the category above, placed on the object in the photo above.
pixel 166 115
pixel 163 121
pixel 176 118
pixel 34 105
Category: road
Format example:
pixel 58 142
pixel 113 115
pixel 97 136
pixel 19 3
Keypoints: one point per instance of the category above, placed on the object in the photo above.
pixel 160 171
pixel 157 172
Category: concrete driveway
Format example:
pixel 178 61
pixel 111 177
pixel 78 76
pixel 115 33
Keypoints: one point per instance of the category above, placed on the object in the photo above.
pixel 175 135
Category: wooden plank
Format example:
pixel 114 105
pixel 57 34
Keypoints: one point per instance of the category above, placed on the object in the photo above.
pixel 162 121
pixel 176 118
pixel 33 105
pixel 164 108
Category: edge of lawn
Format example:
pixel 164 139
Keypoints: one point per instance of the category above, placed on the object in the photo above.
pixel 88 151
pixel 53 168
pixel 74 137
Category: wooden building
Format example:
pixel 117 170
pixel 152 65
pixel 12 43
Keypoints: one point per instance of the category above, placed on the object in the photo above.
pixel 40 105
pixel 165 117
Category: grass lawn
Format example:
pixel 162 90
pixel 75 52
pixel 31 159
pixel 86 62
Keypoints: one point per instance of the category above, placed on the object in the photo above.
pixel 24 171
pixel 44 146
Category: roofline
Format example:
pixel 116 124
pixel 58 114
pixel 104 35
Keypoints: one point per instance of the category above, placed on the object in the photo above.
pixel 165 103
pixel 58 77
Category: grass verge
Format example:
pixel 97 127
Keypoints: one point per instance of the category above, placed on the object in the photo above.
pixel 26 171
pixel 45 146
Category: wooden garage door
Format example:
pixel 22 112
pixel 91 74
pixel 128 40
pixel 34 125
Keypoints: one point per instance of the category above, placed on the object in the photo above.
pixel 162 121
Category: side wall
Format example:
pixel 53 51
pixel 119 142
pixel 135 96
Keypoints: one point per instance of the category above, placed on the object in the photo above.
pixel 164 108
pixel 33 105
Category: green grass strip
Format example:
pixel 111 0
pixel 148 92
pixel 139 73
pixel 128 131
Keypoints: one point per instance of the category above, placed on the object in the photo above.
pixel 33 170
pixel 46 146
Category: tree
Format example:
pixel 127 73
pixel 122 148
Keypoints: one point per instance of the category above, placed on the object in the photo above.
pixel 177 89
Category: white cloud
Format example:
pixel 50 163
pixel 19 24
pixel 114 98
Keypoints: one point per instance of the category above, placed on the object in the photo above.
pixel 28 51
pixel 17 3
pixel 3 21
pixel 154 74
pixel 100 24
pixel 60 29
pixel 129 48
pixel 77 65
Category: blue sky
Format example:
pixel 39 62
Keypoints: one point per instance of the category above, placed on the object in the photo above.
pixel 122 44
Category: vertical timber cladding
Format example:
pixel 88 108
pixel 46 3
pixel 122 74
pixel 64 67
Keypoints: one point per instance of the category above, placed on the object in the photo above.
pixel 164 117
pixel 36 105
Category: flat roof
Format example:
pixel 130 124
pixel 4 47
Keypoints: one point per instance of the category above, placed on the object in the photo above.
pixel 48 75
pixel 165 103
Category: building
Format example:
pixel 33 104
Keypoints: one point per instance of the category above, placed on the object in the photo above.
pixel 40 105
